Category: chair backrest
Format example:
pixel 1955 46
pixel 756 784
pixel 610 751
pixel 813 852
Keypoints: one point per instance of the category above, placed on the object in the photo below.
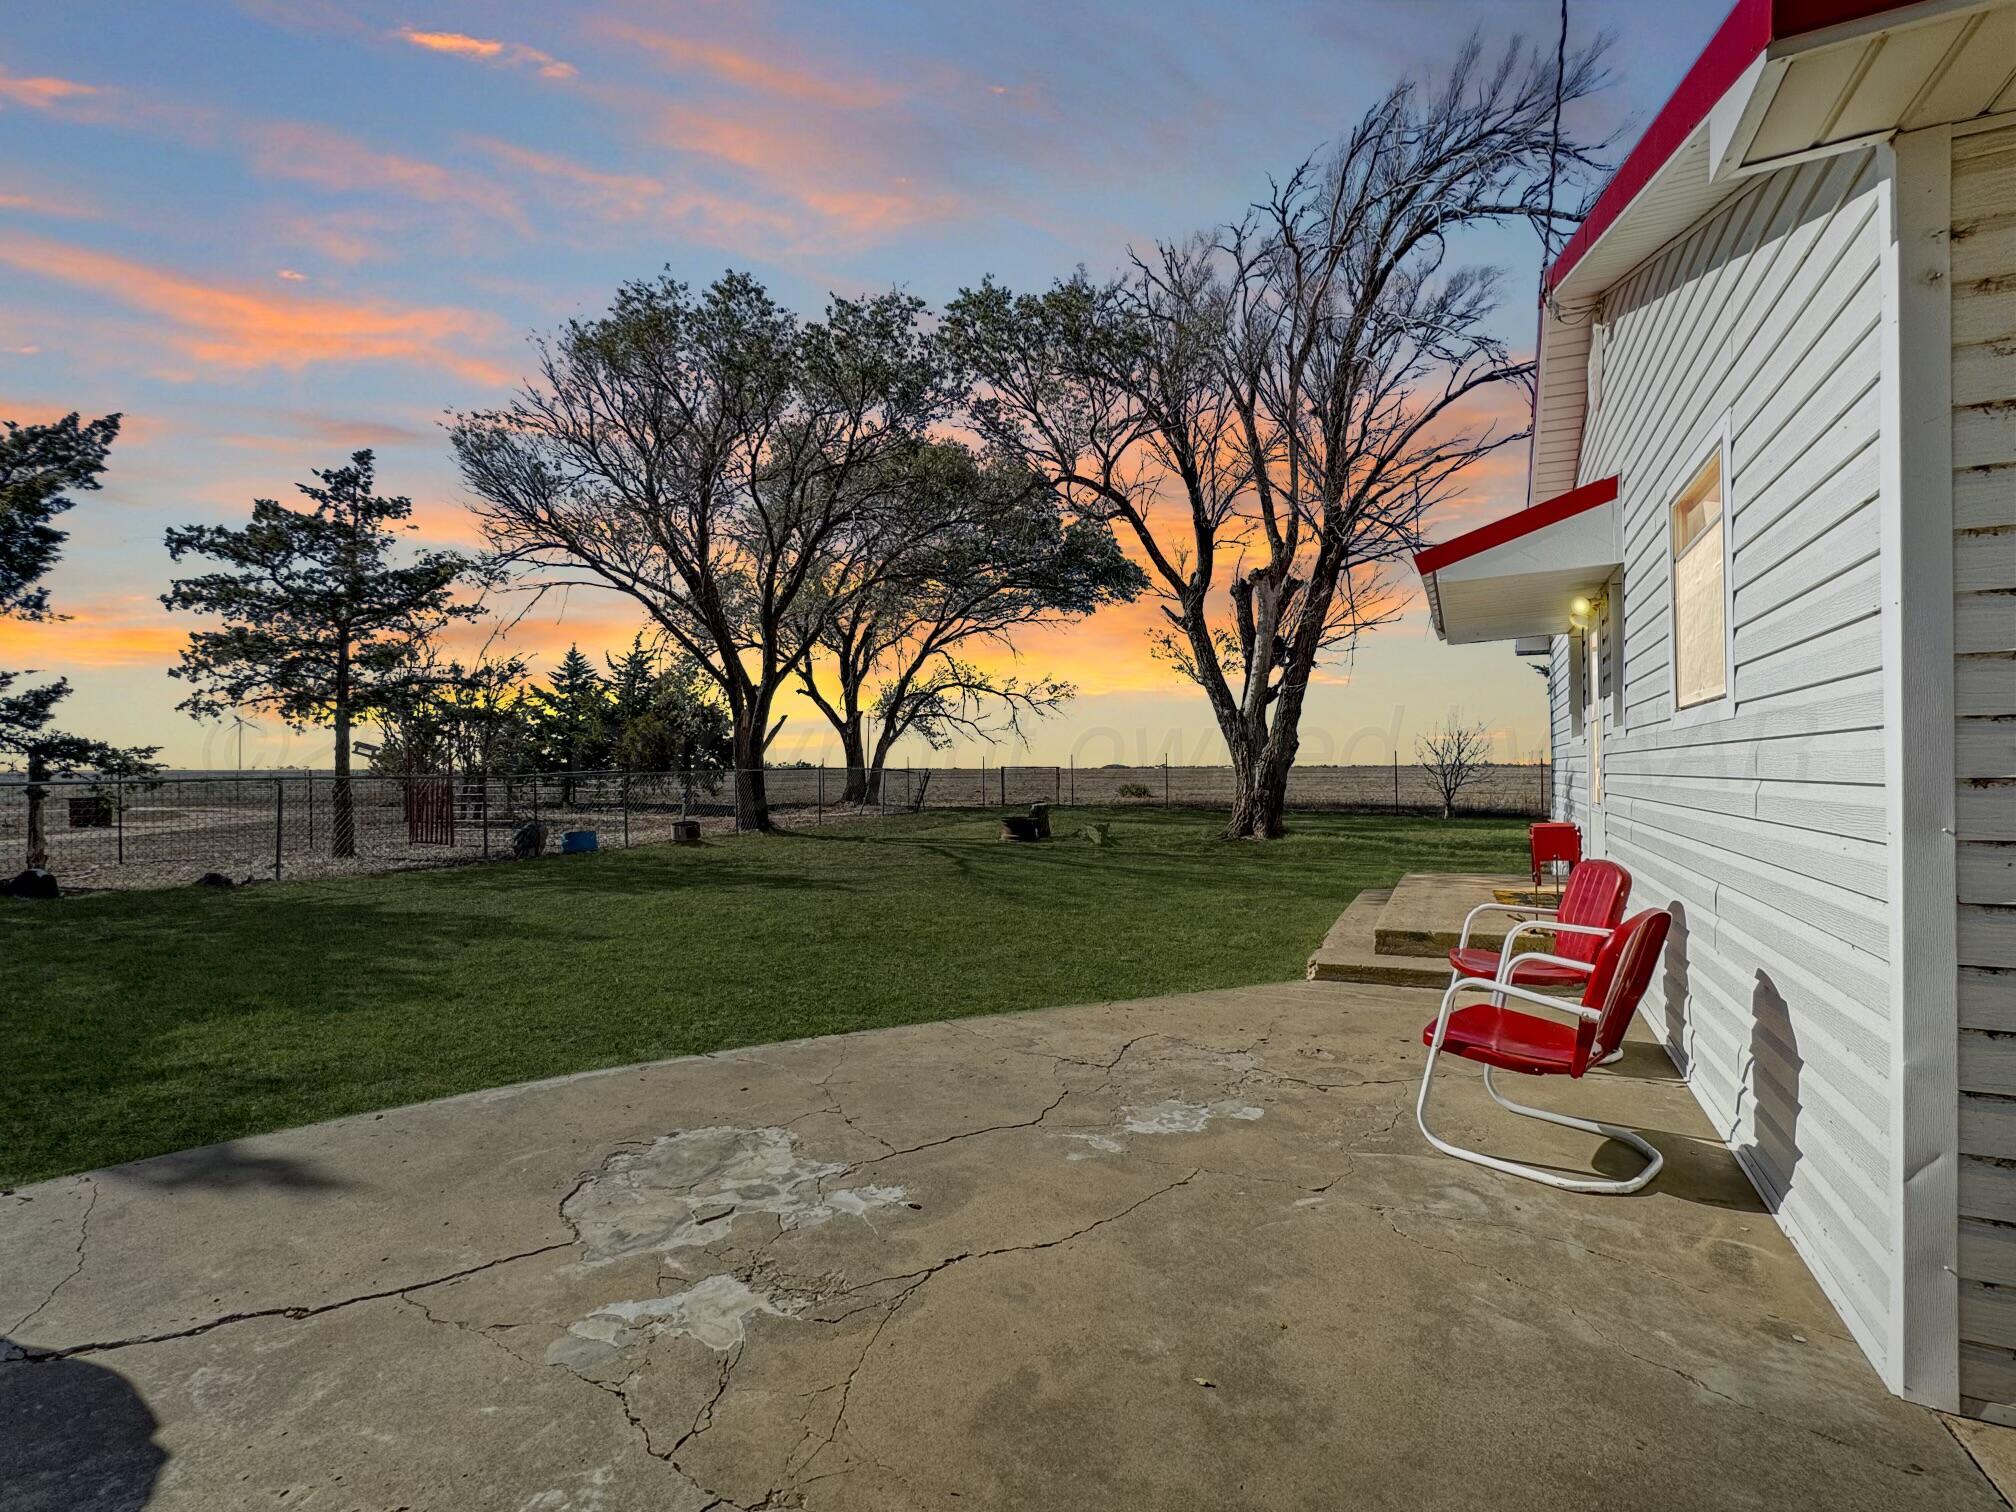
pixel 1623 971
pixel 1597 893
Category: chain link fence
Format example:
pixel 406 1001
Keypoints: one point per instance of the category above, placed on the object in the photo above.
pixel 169 830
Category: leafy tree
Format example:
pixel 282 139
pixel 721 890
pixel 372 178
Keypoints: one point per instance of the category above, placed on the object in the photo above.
pixel 462 718
pixel 321 624
pixel 39 465
pixel 986 550
pixel 718 460
pixel 1268 410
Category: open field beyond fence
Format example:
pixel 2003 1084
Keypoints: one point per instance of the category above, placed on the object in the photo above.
pixel 168 831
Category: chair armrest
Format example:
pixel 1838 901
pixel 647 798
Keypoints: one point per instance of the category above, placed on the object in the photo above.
pixel 1539 999
pixel 1508 965
pixel 1496 907
pixel 1548 926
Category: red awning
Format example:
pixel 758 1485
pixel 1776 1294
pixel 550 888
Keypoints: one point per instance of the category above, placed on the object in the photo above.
pixel 1521 575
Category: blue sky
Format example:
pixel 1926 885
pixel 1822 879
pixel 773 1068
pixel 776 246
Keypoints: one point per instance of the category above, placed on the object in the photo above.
pixel 273 231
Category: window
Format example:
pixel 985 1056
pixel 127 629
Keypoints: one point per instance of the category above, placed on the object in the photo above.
pixel 1700 648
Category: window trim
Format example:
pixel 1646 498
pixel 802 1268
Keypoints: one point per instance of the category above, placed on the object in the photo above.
pixel 1715 446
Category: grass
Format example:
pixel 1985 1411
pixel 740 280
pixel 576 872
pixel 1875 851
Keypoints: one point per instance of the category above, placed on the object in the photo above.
pixel 140 1023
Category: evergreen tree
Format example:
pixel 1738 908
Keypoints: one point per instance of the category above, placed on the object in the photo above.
pixel 39 464
pixel 321 624
pixel 662 715
pixel 571 718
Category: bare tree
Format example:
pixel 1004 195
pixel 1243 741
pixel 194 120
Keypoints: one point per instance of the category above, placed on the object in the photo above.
pixel 1454 756
pixel 1286 398
pixel 989 552
pixel 718 460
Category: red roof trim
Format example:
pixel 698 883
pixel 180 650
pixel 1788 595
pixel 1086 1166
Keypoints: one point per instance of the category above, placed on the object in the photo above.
pixel 1519 523
pixel 1749 29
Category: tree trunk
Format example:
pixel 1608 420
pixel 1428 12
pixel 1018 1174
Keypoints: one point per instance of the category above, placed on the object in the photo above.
pixel 1260 789
pixel 752 806
pixel 38 800
pixel 342 807
pixel 854 750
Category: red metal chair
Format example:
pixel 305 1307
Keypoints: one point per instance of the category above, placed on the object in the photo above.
pixel 1590 909
pixel 1551 841
pixel 1506 1039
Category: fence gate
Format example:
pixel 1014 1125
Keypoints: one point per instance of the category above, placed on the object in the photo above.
pixel 430 810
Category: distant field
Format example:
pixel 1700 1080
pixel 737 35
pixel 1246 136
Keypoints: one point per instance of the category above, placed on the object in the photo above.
pixel 142 1022
pixel 168 831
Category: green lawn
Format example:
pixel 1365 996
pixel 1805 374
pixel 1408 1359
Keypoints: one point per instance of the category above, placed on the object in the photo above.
pixel 144 1022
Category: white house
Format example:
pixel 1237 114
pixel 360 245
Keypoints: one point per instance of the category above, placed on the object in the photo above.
pixel 1770 557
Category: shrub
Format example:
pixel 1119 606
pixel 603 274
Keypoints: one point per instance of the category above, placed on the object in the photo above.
pixel 1135 790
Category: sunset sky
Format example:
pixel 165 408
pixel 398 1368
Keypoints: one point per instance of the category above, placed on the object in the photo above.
pixel 275 231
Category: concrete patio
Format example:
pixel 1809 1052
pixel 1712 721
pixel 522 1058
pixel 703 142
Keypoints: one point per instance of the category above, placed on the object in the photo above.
pixel 1188 1252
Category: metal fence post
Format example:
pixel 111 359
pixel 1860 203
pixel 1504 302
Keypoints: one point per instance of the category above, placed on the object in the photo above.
pixel 1165 782
pixel 1004 786
pixel 119 817
pixel 1057 782
pixel 983 781
pixel 626 811
pixel 279 821
pixel 483 808
pixel 1074 779
pixel 819 797
pixel 1396 782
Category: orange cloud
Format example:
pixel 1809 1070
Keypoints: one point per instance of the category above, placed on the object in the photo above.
pixel 40 92
pixel 118 632
pixel 489 50
pixel 239 329
pixel 757 75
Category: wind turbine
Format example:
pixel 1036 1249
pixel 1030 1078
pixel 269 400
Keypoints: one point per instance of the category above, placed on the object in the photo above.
pixel 242 724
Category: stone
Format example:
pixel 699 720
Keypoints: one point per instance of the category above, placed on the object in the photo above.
pixel 35 883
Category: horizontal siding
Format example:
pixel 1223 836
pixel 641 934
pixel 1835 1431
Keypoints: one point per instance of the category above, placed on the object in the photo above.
pixel 1984 642
pixel 1764 831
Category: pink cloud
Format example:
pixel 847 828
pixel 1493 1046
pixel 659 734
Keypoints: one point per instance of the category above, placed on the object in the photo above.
pixel 328 159
pixel 240 329
pixel 488 50
pixel 746 71
pixel 40 92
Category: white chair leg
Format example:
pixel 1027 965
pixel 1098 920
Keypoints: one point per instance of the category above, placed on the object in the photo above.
pixel 1653 1159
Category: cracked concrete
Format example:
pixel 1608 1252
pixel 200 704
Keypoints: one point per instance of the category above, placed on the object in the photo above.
pixel 1183 1253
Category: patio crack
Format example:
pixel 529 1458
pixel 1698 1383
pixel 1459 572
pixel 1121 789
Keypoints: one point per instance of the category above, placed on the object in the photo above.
pixel 294 1313
pixel 619 1392
pixel 918 1280
pixel 83 1235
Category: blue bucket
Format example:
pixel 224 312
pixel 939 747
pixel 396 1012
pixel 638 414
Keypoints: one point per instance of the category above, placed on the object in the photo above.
pixel 578 842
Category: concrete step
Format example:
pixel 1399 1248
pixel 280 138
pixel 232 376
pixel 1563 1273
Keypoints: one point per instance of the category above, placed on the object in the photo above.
pixel 1349 952
pixel 1424 916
